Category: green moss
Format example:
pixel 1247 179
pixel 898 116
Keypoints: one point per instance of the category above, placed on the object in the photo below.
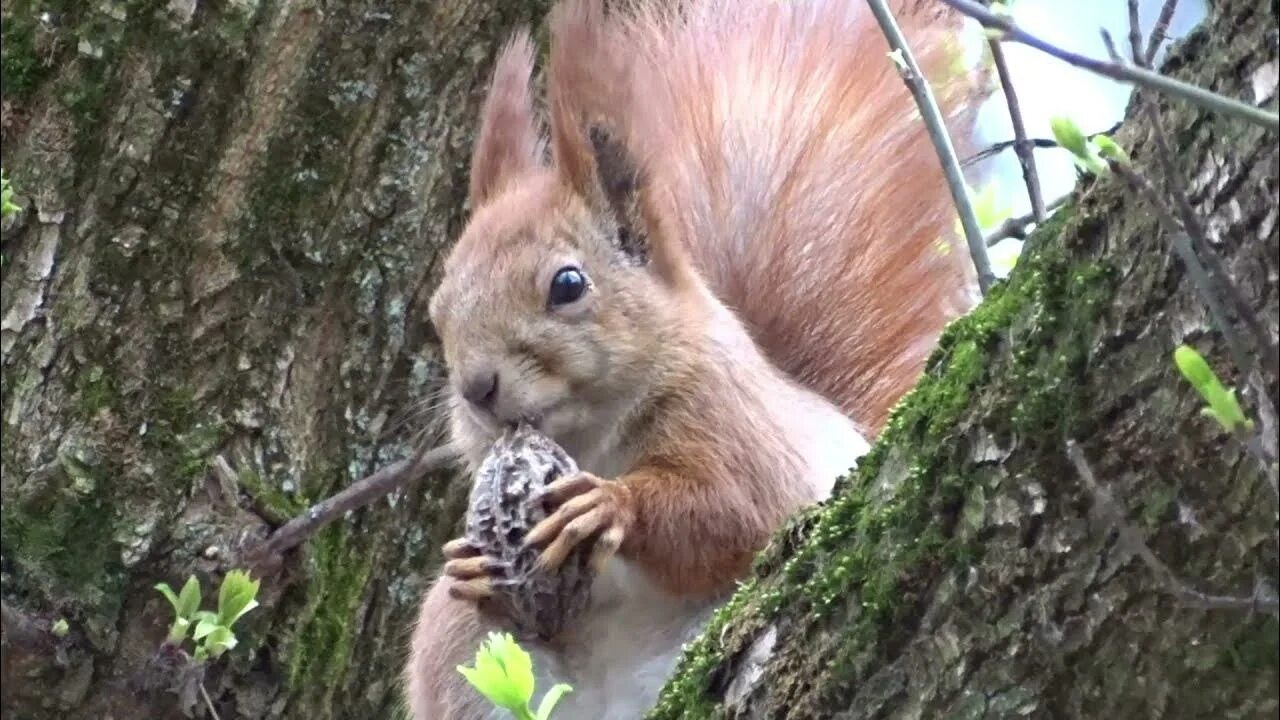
pixel 97 390
pixel 1255 648
pixel 881 545
pixel 278 506
pixel 21 69
pixel 61 539
pixel 320 651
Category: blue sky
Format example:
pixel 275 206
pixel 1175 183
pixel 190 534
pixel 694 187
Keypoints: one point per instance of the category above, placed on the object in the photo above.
pixel 1047 87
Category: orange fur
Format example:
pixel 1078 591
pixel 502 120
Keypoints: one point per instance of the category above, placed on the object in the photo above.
pixel 759 212
pixel 785 153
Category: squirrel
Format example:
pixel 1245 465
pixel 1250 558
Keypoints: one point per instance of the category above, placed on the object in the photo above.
pixel 731 266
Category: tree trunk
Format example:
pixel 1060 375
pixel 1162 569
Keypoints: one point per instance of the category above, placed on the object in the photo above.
pixel 960 573
pixel 213 316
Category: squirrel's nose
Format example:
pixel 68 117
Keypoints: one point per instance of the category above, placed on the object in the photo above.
pixel 481 388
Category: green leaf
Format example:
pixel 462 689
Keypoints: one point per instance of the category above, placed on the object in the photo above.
pixel 60 628
pixel 1110 150
pixel 1067 134
pixel 219 641
pixel 206 623
pixel 1222 403
pixel 236 596
pixel 550 699
pixel 503 673
pixel 172 597
pixel 189 598
pixel 7 207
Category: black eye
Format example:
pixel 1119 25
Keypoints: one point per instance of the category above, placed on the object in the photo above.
pixel 567 286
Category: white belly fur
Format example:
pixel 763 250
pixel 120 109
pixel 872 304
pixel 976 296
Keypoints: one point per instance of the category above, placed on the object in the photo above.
pixel 623 650
pixel 627 645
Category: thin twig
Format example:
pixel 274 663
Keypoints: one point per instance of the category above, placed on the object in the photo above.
pixel 1135 35
pixel 1160 32
pixel 208 702
pixel 1119 71
pixel 1182 245
pixel 1020 144
pixel 1186 253
pixel 1037 143
pixel 1016 228
pixel 1193 226
pixel 1261 601
pixel 1200 241
pixel 937 129
pixel 378 485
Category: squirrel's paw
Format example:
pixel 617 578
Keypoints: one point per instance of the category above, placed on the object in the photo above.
pixel 475 574
pixel 585 508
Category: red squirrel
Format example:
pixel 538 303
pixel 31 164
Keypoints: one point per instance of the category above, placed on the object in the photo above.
pixel 731 266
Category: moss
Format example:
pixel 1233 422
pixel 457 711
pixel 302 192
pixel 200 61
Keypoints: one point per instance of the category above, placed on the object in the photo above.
pixel 277 506
pixel 60 538
pixel 320 650
pixel 870 552
pixel 1255 648
pixel 21 69
pixel 97 391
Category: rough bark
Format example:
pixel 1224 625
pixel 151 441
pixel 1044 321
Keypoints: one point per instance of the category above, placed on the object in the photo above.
pixel 213 315
pixel 960 573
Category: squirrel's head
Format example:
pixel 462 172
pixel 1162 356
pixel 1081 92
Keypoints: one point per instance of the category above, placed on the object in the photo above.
pixel 556 307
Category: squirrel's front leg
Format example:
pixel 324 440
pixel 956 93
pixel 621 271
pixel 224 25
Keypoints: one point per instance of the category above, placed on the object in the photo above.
pixel 694 533
pixel 474 573
pixel 586 506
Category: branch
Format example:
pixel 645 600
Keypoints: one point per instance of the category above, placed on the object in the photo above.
pixel 1020 144
pixel 1016 228
pixel 1204 249
pixel 1120 71
pixel 1191 220
pixel 358 495
pixel 1262 599
pixel 1039 143
pixel 1187 254
pixel 937 129
pixel 1160 32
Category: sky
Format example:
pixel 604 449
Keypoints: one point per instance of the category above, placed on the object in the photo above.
pixel 1047 87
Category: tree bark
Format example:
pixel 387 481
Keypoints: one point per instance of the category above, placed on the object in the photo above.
pixel 960 572
pixel 213 315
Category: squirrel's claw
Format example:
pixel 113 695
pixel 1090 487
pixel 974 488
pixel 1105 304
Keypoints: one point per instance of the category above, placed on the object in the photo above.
pixel 460 548
pixel 592 509
pixel 481 566
pixel 475 577
pixel 475 591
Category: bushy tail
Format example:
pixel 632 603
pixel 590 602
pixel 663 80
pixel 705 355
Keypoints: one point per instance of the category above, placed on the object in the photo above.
pixel 780 144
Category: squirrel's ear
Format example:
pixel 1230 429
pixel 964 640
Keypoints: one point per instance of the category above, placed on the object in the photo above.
pixel 509 142
pixel 617 191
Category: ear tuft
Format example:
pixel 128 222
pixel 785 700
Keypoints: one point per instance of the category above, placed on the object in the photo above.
pixel 620 183
pixel 510 141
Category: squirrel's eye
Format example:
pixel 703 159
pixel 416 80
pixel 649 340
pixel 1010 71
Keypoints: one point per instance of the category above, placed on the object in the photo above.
pixel 567 286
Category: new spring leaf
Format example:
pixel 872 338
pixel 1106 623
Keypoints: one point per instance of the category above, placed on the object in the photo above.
pixel 7 207
pixel 236 597
pixel 1222 403
pixel 503 673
